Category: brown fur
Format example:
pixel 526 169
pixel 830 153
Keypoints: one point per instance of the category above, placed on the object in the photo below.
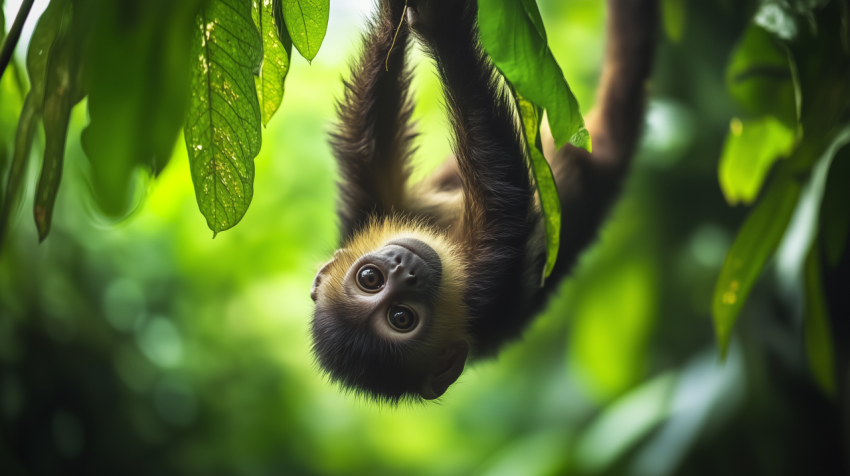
pixel 374 144
pixel 479 209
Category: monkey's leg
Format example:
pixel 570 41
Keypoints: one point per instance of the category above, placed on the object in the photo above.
pixel 371 143
pixel 498 212
pixel 588 184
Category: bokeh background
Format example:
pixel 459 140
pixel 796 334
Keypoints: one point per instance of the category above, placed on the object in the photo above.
pixel 145 346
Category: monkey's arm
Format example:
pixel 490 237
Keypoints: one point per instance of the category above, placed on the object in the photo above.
pixel 487 144
pixel 498 198
pixel 588 184
pixel 371 143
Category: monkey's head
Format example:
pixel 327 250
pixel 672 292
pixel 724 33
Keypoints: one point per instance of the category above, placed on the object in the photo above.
pixel 389 320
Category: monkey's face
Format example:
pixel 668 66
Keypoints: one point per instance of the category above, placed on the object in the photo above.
pixel 394 288
pixel 376 328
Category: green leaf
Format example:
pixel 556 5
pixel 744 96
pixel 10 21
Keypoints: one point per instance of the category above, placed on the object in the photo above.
pixel 60 91
pixel 533 13
pixel 760 76
pixel 42 39
pixel 674 15
pixel 307 23
pixel 750 151
pixel 138 95
pixel 276 52
pixel 819 348
pixel 756 242
pixel 38 51
pixel 835 213
pixel 223 130
pixel 546 186
pixel 511 36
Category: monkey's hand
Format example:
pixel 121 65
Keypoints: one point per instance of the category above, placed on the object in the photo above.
pixel 392 10
pixel 427 18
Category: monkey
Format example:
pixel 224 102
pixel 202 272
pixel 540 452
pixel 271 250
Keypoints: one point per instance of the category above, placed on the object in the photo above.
pixel 432 274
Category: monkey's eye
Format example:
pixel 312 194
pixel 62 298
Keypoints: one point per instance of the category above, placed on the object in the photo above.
pixel 370 279
pixel 402 318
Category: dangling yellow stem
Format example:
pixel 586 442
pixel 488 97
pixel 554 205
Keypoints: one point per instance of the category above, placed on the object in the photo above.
pixel 403 14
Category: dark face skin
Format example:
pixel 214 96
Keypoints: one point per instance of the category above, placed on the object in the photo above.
pixel 392 290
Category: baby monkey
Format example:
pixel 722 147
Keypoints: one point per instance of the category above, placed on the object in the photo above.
pixel 433 273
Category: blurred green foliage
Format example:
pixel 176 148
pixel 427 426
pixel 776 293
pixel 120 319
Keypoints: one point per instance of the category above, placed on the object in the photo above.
pixel 674 15
pixel 142 346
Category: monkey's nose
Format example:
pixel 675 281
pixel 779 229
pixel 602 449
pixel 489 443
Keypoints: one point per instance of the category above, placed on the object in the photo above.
pixel 404 274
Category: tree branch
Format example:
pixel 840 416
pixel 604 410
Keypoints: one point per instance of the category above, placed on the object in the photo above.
pixel 11 40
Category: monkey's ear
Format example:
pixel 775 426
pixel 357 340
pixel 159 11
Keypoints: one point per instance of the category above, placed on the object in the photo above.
pixel 448 368
pixel 317 281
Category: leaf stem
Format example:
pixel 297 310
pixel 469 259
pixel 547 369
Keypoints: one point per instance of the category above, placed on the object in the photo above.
pixel 403 14
pixel 14 35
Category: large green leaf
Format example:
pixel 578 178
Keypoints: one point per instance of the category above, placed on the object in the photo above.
pixel 751 149
pixel 819 348
pixel 512 37
pixel 756 242
pixel 760 76
pixel 546 186
pixel 61 91
pixel 43 37
pixel 674 16
pixel 533 13
pixel 277 49
pixel 223 129
pixel 138 95
pixel 307 23
pixel 835 212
